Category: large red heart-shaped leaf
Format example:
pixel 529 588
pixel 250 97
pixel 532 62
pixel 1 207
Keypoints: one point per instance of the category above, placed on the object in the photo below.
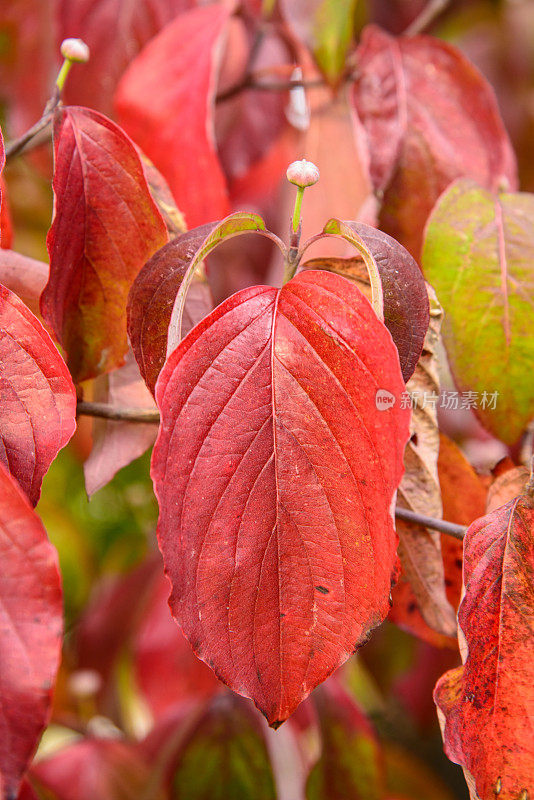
pixel 430 117
pixel 37 397
pixel 171 119
pixel 275 472
pixel 488 703
pixel 105 227
pixel 31 613
pixel 115 31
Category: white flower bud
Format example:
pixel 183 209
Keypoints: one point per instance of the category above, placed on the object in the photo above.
pixel 302 173
pixel 75 50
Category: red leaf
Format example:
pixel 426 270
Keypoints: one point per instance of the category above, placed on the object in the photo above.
pixel 488 703
pixel 430 117
pixel 115 31
pixel 105 228
pixel 6 223
pixel 275 474
pixel 107 769
pixel 116 444
pixel 31 614
pixel 167 671
pixel 152 297
pixel 110 619
pixel 37 396
pixel 167 108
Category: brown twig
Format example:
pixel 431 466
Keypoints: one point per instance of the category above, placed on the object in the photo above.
pixel 122 414
pixel 17 146
pixel 441 525
pixel 252 82
pixel 427 16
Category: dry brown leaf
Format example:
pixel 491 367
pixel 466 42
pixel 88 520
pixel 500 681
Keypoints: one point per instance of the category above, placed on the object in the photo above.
pixel 505 487
pixel 420 548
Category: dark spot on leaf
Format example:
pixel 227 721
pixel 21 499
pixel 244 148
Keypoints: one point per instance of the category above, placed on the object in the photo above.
pixel 276 724
pixel 412 607
pixel 323 589
pixel 282 614
pixel 448 582
pixel 458 563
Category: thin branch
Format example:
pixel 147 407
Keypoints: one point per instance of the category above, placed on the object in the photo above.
pixel 122 414
pixel 253 82
pixel 441 525
pixel 32 135
pixel 42 126
pixel 430 12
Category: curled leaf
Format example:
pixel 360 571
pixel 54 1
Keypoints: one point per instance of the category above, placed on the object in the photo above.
pixel 152 297
pixel 419 547
pixel 398 288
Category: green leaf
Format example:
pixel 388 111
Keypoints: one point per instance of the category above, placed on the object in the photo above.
pixel 225 757
pixel 478 255
pixel 327 28
pixel 333 29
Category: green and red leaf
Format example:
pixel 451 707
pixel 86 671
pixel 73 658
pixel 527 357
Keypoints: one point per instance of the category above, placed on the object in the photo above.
pixel 351 764
pixel 478 254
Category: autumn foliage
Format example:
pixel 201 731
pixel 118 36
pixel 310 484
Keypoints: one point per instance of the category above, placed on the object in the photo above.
pixel 335 386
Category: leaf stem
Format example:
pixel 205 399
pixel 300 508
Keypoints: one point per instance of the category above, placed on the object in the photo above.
pixel 62 74
pixel 298 209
